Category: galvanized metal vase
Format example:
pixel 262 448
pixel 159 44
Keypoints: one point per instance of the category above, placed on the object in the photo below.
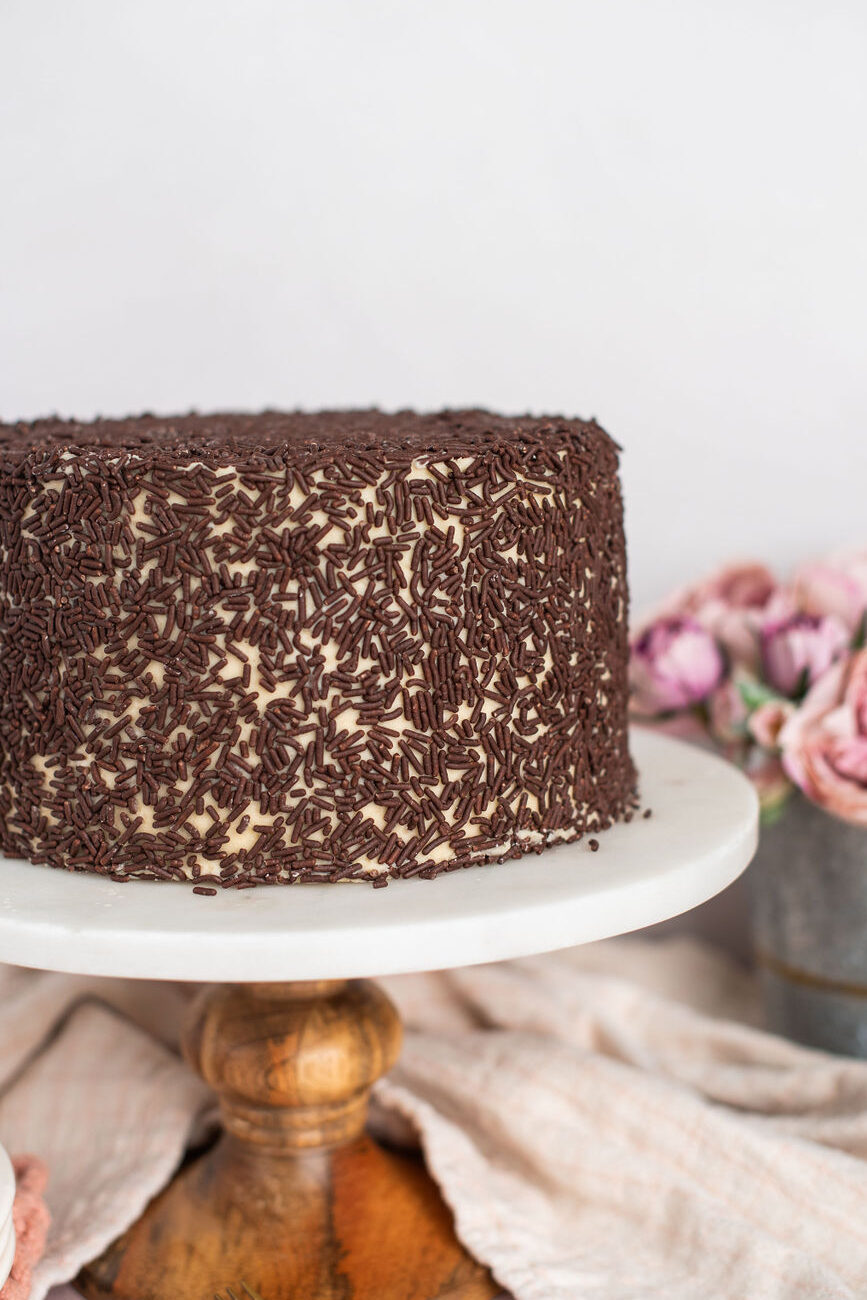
pixel 808 887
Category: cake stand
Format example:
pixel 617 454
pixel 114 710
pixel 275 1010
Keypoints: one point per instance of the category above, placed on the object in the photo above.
pixel 295 1201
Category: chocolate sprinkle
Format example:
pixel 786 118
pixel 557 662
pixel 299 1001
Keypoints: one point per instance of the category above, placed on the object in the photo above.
pixel 241 649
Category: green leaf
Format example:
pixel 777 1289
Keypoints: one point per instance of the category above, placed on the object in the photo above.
pixel 860 638
pixel 803 683
pixel 771 815
pixel 771 812
pixel 754 693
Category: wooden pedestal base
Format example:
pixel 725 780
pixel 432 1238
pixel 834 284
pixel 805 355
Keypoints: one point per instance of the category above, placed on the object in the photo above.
pixel 294 1202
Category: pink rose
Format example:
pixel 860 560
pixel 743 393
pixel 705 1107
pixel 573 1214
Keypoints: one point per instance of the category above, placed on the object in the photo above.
pixel 729 604
pixel 824 743
pixel 835 586
pixel 767 721
pixel 739 586
pixel 675 663
pixel 797 650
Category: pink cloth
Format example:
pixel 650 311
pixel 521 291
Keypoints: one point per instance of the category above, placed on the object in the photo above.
pixel 31 1219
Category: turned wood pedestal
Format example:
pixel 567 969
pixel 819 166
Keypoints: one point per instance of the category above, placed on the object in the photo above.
pixel 295 1201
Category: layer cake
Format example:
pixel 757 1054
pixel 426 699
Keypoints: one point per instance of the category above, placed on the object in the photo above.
pixel 238 649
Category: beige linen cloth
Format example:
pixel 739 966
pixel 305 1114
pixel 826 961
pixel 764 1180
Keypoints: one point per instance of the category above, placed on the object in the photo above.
pixel 605 1122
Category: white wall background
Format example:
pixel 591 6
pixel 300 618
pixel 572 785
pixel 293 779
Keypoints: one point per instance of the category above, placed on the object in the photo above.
pixel 651 212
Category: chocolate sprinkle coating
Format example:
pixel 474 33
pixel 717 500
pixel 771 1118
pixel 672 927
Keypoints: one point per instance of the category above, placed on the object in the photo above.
pixel 244 649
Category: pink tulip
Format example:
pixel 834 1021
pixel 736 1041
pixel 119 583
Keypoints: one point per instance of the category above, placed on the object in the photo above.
pixel 675 664
pixel 824 743
pixel 729 604
pixel 727 714
pixel 797 650
pixel 835 586
pixel 681 726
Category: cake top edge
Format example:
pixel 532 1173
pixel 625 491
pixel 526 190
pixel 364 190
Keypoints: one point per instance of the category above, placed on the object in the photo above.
pixel 302 435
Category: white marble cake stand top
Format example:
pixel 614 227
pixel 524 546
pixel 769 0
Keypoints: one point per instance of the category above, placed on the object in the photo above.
pixel 701 836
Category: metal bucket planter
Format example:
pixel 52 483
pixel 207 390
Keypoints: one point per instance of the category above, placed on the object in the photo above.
pixel 808 888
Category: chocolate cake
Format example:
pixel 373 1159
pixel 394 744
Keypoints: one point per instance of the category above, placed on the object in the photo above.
pixel 238 649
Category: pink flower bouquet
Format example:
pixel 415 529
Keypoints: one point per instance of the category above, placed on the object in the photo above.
pixel 774 675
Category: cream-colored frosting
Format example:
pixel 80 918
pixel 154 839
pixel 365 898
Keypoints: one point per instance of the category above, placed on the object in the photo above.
pixel 329 695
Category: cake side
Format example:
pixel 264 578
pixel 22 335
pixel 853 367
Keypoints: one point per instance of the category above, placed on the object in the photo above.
pixel 243 649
